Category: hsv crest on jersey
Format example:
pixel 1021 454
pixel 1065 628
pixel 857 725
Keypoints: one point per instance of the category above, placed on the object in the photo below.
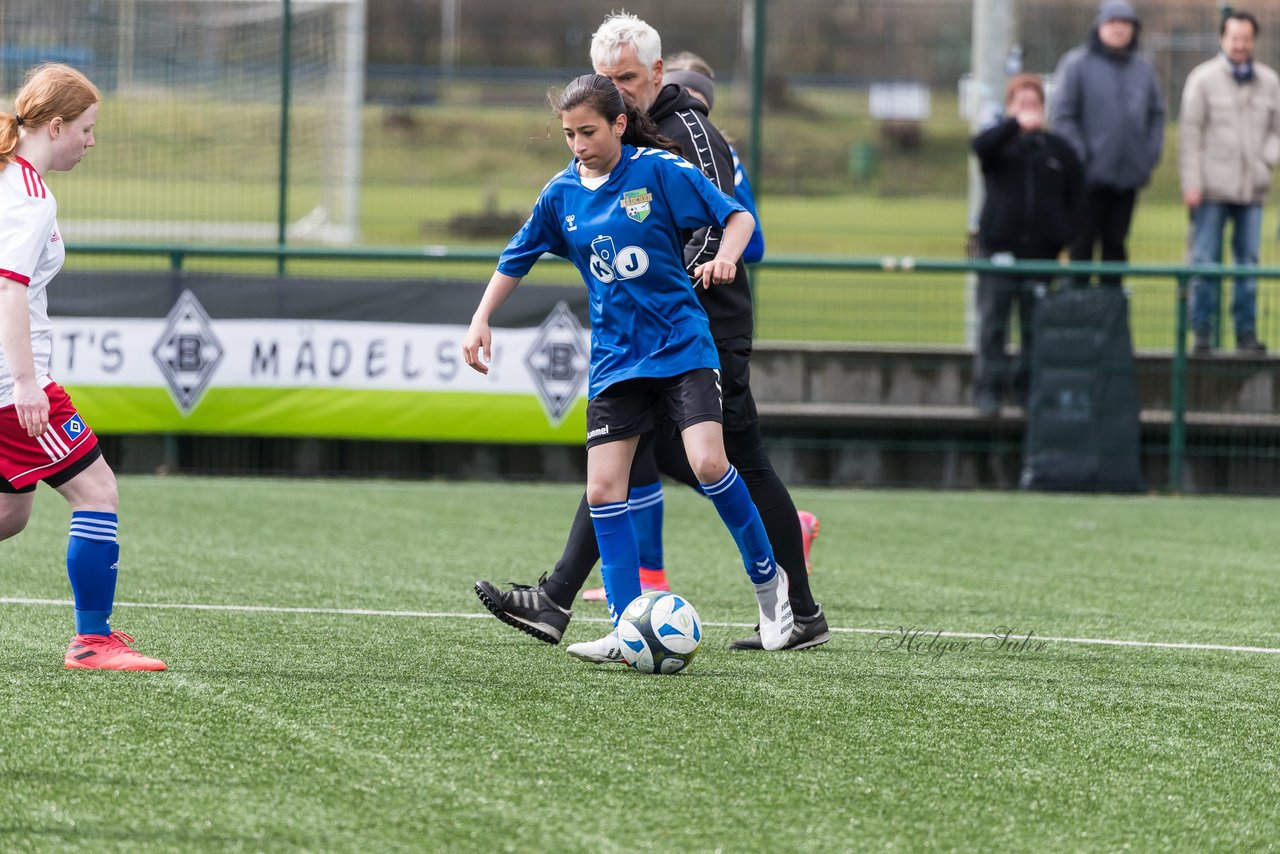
pixel 73 428
pixel 636 203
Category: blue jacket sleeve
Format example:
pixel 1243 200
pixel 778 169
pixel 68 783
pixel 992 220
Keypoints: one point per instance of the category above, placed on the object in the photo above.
pixel 742 192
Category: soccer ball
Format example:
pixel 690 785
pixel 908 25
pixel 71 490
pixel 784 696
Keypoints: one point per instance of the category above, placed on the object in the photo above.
pixel 660 632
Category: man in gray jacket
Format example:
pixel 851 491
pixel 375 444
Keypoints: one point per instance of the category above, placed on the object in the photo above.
pixel 1229 141
pixel 1107 104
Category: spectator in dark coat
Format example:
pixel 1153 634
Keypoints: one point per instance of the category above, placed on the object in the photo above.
pixel 1033 190
pixel 1107 104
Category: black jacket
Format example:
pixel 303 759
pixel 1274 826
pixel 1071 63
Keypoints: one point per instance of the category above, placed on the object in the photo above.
pixel 683 118
pixel 1034 186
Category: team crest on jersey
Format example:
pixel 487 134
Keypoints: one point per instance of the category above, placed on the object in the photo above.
pixel 73 428
pixel 636 203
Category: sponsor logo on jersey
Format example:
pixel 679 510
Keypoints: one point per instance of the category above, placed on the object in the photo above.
pixel 636 203
pixel 608 264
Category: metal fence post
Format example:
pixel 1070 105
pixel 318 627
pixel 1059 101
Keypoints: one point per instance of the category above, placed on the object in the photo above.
pixel 1178 391
pixel 286 72
pixel 756 155
pixel 1215 336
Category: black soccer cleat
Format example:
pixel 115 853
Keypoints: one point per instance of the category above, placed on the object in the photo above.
pixel 807 633
pixel 528 609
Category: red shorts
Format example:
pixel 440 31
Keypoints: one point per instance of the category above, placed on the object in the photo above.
pixel 24 461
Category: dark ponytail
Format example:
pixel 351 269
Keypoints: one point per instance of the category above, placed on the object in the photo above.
pixel 643 132
pixel 598 92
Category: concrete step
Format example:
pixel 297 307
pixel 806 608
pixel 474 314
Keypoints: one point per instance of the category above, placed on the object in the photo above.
pixel 934 381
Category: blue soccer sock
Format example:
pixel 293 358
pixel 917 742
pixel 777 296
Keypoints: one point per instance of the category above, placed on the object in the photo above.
pixel 93 557
pixel 619 555
pixel 645 504
pixel 732 500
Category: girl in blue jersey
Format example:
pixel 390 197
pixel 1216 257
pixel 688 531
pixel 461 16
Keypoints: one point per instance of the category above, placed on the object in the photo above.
pixel 616 212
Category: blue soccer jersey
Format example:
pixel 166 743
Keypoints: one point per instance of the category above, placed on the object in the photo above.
pixel 624 238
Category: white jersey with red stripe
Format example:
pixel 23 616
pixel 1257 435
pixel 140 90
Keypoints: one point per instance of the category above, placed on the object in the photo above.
pixel 31 254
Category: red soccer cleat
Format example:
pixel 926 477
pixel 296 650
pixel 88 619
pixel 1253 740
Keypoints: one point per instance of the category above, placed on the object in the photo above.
pixel 809 525
pixel 654 579
pixel 107 652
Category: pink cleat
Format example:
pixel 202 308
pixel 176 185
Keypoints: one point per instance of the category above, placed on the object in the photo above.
pixel 809 525
pixel 107 652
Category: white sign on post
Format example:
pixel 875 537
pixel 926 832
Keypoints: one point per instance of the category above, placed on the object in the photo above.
pixel 900 102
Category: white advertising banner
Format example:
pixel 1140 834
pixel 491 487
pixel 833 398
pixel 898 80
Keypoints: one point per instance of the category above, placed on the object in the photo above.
pixel 190 355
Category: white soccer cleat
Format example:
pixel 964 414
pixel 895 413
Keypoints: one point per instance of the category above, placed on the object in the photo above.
pixel 776 621
pixel 607 650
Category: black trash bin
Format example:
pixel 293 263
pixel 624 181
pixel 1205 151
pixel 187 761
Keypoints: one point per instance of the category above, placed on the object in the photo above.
pixel 1083 431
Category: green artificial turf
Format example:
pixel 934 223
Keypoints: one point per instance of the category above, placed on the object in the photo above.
pixel 441 729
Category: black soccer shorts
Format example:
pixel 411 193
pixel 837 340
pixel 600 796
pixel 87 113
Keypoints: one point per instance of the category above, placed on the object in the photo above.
pixel 633 407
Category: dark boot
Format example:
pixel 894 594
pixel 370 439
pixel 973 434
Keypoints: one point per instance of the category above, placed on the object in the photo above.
pixel 1203 346
pixel 1248 344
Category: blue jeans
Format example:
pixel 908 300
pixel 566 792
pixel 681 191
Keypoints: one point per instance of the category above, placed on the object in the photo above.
pixel 1207 225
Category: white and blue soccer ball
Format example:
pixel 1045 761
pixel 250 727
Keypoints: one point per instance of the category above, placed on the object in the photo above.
pixel 660 632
